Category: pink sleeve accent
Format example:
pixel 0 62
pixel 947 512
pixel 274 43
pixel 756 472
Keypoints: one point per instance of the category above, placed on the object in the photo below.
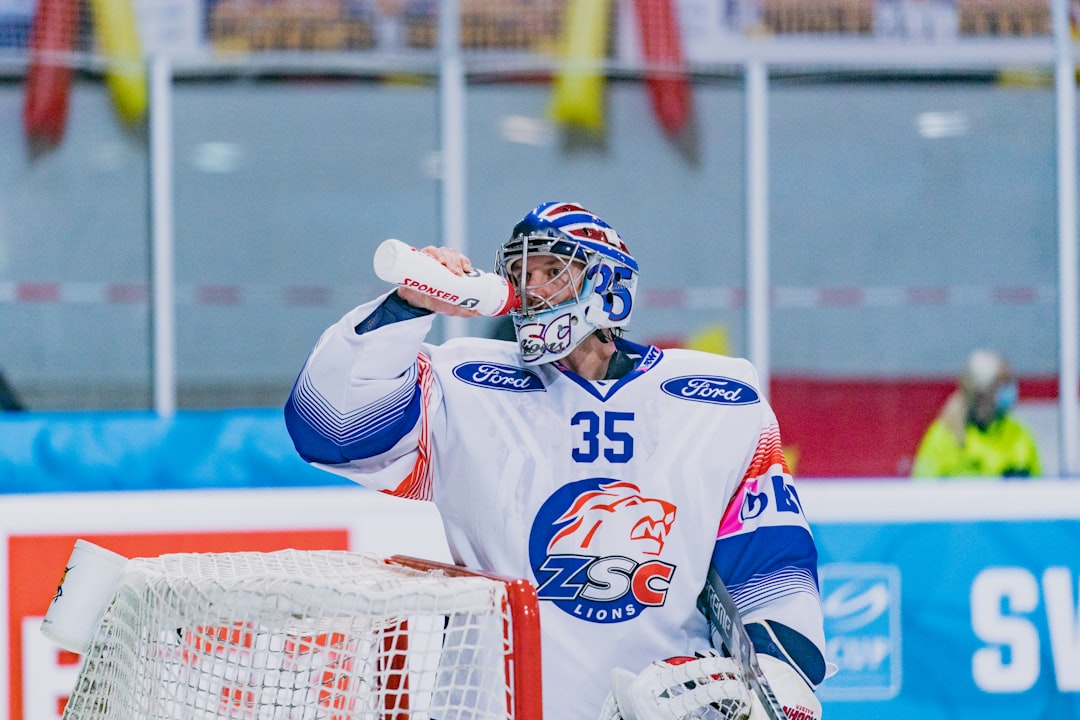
pixel 768 453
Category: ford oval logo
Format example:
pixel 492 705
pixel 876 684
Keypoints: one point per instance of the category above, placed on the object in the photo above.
pixel 711 389
pixel 500 377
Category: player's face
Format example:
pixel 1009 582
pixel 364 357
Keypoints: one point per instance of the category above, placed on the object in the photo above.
pixel 549 280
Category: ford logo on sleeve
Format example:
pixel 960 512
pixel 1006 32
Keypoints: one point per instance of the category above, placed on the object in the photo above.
pixel 710 389
pixel 498 377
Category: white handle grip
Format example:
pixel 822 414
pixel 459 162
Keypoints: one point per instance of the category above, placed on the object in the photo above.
pixel 405 266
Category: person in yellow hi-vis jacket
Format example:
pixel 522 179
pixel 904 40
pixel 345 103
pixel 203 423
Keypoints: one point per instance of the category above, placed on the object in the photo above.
pixel 976 434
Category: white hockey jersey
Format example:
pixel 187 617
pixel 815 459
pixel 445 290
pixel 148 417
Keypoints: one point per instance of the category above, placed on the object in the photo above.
pixel 612 496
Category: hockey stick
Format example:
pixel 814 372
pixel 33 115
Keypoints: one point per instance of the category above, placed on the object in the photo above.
pixel 716 604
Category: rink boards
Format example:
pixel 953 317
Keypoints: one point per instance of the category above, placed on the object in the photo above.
pixel 942 600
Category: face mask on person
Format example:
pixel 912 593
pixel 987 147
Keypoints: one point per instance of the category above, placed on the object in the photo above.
pixel 1005 398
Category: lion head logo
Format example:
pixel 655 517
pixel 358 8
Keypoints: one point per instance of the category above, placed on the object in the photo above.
pixel 612 515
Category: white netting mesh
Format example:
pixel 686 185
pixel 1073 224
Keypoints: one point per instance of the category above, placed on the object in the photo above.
pixel 296 635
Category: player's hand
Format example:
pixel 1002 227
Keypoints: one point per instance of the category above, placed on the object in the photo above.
pixel 678 688
pixel 456 263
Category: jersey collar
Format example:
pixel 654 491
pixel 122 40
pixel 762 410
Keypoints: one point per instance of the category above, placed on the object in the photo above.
pixel 646 357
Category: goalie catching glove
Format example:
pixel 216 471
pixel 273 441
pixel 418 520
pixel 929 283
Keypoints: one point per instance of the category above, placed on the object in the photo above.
pixel 705 687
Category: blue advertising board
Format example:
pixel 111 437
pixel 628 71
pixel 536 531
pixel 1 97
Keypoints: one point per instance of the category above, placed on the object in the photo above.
pixel 956 617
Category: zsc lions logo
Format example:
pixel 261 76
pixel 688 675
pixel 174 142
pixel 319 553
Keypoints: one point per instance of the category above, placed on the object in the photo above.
pixel 710 389
pixel 500 377
pixel 595 547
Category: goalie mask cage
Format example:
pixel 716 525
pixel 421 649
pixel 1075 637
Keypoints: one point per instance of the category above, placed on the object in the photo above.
pixel 311 635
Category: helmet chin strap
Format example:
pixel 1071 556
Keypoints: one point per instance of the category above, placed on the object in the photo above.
pixel 602 335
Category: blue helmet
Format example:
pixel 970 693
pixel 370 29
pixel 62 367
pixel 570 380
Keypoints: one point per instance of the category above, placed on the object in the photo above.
pixel 593 254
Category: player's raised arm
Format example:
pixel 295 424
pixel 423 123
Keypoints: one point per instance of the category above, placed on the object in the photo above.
pixel 359 405
pixel 356 404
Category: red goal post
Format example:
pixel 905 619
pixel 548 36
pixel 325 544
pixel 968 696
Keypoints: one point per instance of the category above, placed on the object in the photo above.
pixel 523 670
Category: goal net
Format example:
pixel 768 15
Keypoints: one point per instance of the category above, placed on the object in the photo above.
pixel 307 635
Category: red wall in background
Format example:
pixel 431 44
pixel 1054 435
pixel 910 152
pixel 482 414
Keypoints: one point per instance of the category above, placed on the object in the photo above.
pixel 864 427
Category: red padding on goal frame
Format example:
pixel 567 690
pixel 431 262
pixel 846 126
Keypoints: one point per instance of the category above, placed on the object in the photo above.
pixel 523 658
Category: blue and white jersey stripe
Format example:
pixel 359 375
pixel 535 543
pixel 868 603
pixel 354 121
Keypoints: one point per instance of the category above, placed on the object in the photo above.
pixel 761 590
pixel 324 433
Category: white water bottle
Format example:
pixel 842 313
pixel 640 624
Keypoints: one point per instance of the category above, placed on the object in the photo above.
pixel 405 266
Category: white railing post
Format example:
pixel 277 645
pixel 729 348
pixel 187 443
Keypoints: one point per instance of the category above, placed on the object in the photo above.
pixel 452 139
pixel 757 218
pixel 1065 100
pixel 162 281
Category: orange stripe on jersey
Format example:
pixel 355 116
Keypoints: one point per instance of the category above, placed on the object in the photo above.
pixel 417 486
pixel 768 452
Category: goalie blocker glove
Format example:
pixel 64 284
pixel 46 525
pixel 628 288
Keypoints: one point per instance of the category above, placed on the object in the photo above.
pixel 706 686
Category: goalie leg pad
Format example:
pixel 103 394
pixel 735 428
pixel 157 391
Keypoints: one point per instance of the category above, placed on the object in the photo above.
pixel 680 688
